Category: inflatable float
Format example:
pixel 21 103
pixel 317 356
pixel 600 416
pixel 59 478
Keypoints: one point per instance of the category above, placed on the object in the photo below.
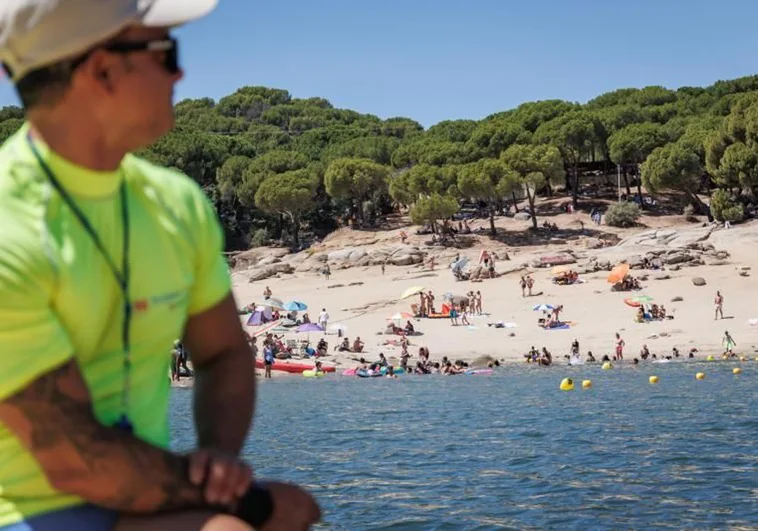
pixel 630 302
pixel 476 372
pixel 313 374
pixel 293 368
pixel 368 373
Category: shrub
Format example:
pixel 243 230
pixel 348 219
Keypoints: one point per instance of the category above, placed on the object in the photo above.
pixel 622 214
pixel 260 238
pixel 724 208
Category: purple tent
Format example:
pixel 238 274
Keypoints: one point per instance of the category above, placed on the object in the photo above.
pixel 255 319
pixel 309 327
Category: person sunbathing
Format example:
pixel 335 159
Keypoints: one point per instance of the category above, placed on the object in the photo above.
pixel 322 348
pixel 358 345
pixel 640 317
pixel 344 346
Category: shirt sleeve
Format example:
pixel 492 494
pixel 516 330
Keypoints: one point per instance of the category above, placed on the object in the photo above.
pixel 33 341
pixel 212 279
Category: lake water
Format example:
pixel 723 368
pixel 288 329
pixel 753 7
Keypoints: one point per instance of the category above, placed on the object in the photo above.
pixel 511 451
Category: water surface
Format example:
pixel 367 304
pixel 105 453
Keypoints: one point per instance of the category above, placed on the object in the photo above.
pixel 511 451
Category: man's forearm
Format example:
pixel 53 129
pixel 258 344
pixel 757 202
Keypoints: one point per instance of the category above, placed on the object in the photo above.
pixel 225 400
pixel 105 466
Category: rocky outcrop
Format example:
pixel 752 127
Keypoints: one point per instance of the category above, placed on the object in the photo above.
pixel 698 281
pixel 267 271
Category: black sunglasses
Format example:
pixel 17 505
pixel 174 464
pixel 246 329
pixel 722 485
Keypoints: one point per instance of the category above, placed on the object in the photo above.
pixel 169 47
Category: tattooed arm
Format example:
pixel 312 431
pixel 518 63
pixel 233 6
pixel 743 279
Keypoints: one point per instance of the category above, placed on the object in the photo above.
pixel 54 420
pixel 225 377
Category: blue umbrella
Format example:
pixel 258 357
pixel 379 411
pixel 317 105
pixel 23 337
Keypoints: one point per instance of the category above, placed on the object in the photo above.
pixel 309 327
pixel 295 306
pixel 543 307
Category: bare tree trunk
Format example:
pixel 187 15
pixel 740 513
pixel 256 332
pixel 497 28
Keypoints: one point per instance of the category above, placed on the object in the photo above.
pixel 515 202
pixel 493 231
pixel 575 187
pixel 530 198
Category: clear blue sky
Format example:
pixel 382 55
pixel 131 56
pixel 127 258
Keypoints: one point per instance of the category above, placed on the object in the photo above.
pixel 433 60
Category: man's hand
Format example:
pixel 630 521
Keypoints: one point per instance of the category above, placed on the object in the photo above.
pixel 225 477
pixel 294 508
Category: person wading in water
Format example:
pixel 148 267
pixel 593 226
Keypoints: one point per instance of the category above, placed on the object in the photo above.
pixel 105 259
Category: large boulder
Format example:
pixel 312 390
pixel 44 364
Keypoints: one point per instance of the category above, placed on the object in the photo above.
pixel 698 281
pixel 268 261
pixel 635 261
pixel 348 254
pixel 406 259
pixel 261 273
pixel 522 216
pixel 677 257
pixel 554 260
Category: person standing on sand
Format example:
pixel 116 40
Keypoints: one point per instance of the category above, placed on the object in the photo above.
pixel 478 303
pixel 718 301
pixel 728 343
pixel 383 265
pixel 529 284
pixel 323 319
pixel 327 272
pixel 619 347
pixel 106 258
pixel 267 293
pixel 522 283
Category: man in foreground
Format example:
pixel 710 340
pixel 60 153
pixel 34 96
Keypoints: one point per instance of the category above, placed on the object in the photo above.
pixel 105 259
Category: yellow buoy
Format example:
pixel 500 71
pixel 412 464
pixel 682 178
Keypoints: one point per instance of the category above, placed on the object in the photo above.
pixel 736 370
pixel 607 365
pixel 700 376
pixel 567 384
pixel 709 358
pixel 586 384
pixel 653 379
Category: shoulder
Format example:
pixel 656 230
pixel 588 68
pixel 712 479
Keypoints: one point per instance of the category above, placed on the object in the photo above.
pixel 23 197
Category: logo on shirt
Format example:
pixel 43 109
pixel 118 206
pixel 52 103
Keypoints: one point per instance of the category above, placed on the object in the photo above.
pixel 171 299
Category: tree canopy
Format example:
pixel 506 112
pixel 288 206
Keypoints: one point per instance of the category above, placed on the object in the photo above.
pixel 301 167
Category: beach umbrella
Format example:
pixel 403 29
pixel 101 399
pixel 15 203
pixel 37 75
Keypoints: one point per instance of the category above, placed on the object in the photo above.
pixel 400 316
pixel 543 308
pixel 410 292
pixel 618 273
pixel 274 304
pixel 309 327
pixel 268 327
pixel 642 299
pixel 295 306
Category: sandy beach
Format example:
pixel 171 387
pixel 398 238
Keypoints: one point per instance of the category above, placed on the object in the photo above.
pixel 362 298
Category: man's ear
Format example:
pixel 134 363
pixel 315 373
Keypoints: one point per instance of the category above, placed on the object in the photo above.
pixel 99 71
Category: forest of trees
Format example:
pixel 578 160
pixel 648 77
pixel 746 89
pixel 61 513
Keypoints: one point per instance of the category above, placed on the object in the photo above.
pixel 281 168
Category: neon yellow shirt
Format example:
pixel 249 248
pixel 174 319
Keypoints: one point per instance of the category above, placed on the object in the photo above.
pixel 59 299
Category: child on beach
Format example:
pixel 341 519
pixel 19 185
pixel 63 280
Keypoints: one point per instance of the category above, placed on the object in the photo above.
pixel 268 360
pixel 728 343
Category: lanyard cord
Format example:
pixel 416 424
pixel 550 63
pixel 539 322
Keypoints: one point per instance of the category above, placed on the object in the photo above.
pixel 121 277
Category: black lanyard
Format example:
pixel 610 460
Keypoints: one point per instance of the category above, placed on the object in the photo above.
pixel 121 277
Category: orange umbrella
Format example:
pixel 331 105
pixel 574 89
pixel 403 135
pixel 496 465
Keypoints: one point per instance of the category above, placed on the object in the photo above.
pixel 618 273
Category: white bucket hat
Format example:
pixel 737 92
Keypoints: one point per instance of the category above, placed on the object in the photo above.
pixel 37 33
